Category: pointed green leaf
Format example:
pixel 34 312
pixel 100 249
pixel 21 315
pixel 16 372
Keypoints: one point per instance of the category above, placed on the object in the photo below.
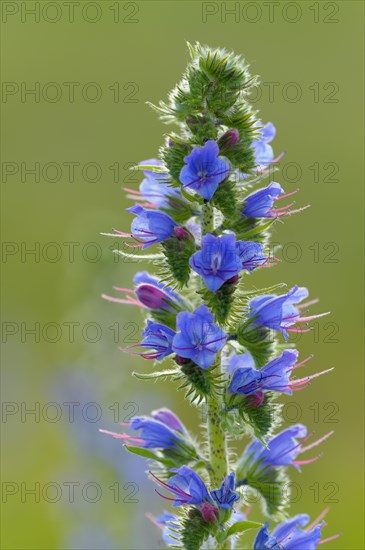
pixel 152 375
pixel 141 451
pixel 259 228
pixel 151 167
pixel 241 526
pixel 191 198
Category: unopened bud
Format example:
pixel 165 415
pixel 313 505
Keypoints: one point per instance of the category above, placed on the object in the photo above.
pixel 228 139
pixel 209 512
pixel 151 296
pixel 182 234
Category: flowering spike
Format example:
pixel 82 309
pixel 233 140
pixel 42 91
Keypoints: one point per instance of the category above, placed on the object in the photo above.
pixel 203 205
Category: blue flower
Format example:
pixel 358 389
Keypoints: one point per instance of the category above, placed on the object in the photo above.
pixel 251 254
pixel 155 187
pixel 279 312
pixel 199 338
pixel 290 535
pixel 274 376
pixel 221 258
pixel 217 261
pixel 204 170
pixel 155 433
pixel 167 417
pixel 187 486
pixel 150 227
pixel 157 338
pixel 282 449
pixel 260 204
pixel 235 361
pixel 162 430
pixel 264 153
pixel 225 497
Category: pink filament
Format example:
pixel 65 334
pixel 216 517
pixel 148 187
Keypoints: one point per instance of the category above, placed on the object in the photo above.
pixel 275 210
pixel 307 379
pixel 317 442
pixel 280 215
pixel 317 520
pixel 302 362
pixel 311 317
pixel 309 461
pixel 293 329
pixel 287 195
pixel 116 234
pixel 310 303
pixel 330 538
pixel 121 436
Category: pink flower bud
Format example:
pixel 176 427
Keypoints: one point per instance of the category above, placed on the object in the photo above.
pixel 228 139
pixel 151 296
pixel 209 512
pixel 182 234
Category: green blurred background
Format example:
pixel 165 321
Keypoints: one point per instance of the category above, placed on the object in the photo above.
pixel 87 493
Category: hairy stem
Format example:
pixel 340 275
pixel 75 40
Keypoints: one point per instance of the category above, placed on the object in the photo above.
pixel 217 439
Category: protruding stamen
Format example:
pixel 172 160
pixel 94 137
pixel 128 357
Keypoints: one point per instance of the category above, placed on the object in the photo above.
pixel 286 195
pixel 282 208
pixel 329 539
pixel 122 436
pixel 307 379
pixel 116 234
pixel 308 461
pixel 133 191
pixel 312 317
pixel 317 520
pixel 309 303
pixel 300 330
pixel 317 442
pixel 129 300
pixel 302 362
pixel 280 215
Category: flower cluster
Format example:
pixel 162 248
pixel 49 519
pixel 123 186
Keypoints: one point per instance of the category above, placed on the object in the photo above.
pixel 225 344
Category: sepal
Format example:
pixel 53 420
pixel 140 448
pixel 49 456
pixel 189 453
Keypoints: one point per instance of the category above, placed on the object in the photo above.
pixel 258 340
pixel 250 415
pixel 271 484
pixel 249 229
pixel 220 302
pixel 225 199
pixel 194 529
pixel 199 383
pixel 173 156
pixel 177 250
